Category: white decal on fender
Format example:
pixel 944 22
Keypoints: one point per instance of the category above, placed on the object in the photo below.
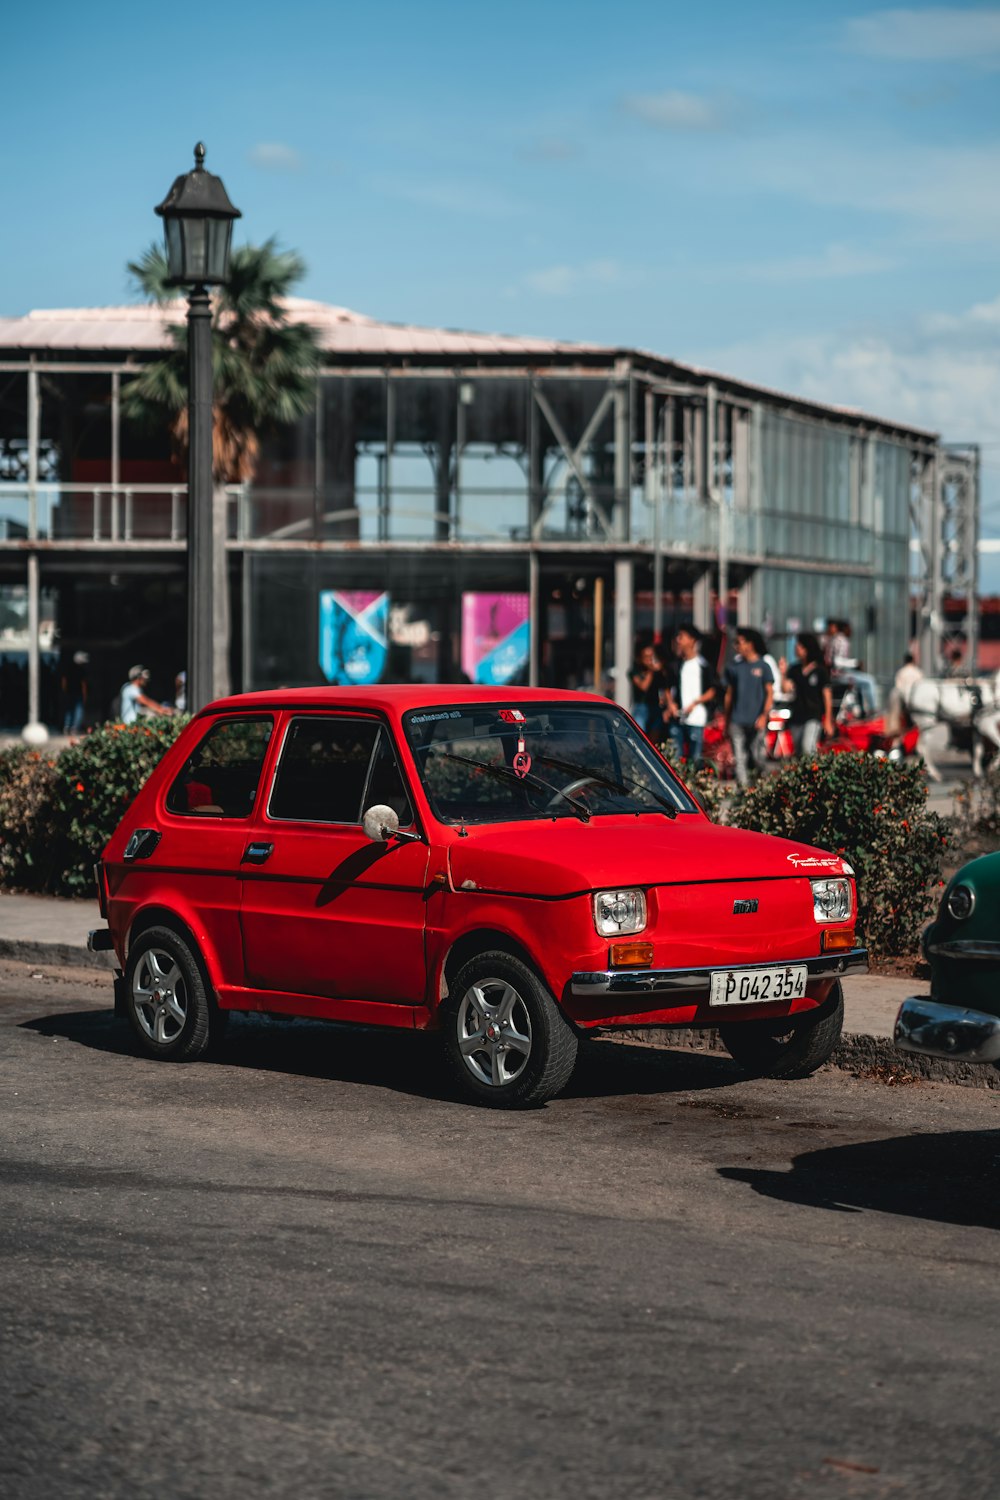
pixel 810 862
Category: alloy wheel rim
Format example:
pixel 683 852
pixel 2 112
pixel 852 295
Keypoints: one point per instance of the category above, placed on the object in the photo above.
pixel 494 1032
pixel 159 997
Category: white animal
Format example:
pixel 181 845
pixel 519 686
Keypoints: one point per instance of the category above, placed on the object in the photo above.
pixel 935 704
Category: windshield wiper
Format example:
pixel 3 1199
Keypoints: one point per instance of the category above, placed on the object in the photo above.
pixel 617 786
pixel 506 774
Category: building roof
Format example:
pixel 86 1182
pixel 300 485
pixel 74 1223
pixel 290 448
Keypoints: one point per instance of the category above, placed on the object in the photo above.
pixel 144 329
pixel 352 337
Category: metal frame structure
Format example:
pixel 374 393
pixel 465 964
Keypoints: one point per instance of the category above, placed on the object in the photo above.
pixel 631 467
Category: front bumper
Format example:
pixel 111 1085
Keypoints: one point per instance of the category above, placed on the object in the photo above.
pixel 674 981
pixel 936 1030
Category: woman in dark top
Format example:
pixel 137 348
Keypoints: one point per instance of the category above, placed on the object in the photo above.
pixel 812 702
pixel 649 685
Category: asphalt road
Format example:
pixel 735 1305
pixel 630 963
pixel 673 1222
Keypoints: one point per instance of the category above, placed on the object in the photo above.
pixel 305 1270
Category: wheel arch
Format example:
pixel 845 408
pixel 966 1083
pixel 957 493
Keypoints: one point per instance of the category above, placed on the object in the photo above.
pixel 164 916
pixel 482 940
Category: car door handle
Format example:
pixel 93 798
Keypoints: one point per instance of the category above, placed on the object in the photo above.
pixel 256 854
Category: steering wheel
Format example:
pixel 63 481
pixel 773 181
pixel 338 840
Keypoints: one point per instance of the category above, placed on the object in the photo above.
pixel 570 790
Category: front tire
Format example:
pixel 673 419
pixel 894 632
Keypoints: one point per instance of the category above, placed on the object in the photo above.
pixel 166 996
pixel 507 1042
pixel 788 1048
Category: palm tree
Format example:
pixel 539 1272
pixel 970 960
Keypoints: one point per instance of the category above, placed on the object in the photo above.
pixel 263 370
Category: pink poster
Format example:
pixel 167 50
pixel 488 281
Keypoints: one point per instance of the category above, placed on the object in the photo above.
pixel 495 637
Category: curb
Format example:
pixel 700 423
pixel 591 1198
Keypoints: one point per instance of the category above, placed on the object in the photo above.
pixel 858 1053
pixel 66 955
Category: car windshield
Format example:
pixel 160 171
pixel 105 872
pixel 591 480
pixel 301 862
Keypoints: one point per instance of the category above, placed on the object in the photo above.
pixel 490 763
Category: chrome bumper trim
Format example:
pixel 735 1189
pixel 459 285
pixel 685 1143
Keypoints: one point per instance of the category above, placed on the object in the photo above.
pixel 980 948
pixel 100 940
pixel 936 1030
pixel 669 981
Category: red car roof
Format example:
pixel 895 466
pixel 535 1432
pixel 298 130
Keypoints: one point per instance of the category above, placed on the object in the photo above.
pixel 397 698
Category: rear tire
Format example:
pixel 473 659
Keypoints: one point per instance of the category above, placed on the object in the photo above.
pixel 508 1044
pixel 788 1048
pixel 166 996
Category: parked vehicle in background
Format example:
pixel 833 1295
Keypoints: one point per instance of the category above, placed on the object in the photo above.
pixel 960 1019
pixel 510 869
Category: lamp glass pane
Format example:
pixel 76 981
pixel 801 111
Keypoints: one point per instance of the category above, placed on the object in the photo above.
pixel 175 247
pixel 219 233
pixel 194 249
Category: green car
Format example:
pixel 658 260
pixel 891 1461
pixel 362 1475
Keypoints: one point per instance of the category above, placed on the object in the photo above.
pixel 961 1018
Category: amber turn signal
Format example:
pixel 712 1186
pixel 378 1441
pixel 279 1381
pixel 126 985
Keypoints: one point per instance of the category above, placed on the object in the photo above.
pixel 834 942
pixel 631 955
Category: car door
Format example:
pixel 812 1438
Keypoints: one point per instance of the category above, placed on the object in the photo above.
pixel 194 866
pixel 324 911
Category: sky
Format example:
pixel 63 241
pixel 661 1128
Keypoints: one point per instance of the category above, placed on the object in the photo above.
pixel 807 196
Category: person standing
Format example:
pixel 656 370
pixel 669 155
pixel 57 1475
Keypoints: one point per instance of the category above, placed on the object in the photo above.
pixel 695 689
pixel 749 695
pixel 812 696
pixel 649 687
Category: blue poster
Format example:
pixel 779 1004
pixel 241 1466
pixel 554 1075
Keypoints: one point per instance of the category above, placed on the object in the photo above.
pixel 353 635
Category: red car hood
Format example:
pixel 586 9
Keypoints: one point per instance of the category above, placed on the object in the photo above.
pixel 562 857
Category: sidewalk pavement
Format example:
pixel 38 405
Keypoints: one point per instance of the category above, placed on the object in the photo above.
pixel 45 929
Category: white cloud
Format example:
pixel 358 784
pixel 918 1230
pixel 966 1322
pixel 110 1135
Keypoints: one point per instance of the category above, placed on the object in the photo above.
pixel 462 198
pixel 550 148
pixel 563 281
pixel 272 156
pixel 947 192
pixel 673 110
pixel 935 34
pixel 833 262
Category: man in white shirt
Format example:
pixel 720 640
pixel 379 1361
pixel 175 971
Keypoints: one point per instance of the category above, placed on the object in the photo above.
pixel 695 691
pixel 135 699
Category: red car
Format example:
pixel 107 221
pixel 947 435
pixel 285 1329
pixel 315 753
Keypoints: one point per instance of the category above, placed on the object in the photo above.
pixel 512 869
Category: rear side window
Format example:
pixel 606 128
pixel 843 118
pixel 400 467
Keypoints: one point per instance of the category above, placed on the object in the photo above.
pixel 220 779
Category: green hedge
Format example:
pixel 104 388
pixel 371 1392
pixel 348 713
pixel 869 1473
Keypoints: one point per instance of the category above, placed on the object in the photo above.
pixel 873 812
pixel 57 811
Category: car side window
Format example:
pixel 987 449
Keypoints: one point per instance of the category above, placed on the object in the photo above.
pixel 220 778
pixel 323 770
pixel 386 787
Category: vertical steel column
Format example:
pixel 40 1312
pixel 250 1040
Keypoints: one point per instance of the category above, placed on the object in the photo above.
pixel 116 415
pixel 33 732
pixel 201 530
pixel 621 523
pixel 390 443
pixel 536 466
pixel 654 497
pixel 533 619
pixel 319 469
pixel 931 522
pixel 598 672
pixel 701 601
pixel 971 549
pixel 624 628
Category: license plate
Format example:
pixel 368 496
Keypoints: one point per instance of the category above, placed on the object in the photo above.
pixel 757 986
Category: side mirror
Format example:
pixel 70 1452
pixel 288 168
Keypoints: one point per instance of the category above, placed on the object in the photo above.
pixel 381 823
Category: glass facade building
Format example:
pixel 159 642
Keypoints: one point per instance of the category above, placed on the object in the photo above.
pixel 453 505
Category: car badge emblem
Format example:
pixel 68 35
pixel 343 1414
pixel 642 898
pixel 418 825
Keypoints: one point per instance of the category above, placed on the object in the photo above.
pixel 741 908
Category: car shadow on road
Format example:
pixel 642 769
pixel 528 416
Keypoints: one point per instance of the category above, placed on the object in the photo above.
pixel 410 1062
pixel 950 1177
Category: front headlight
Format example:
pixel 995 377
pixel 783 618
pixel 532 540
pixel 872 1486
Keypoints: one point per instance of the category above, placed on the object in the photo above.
pixel 618 912
pixel 961 902
pixel 831 900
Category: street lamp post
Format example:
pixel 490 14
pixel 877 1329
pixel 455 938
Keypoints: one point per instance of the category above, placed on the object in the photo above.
pixel 198 226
